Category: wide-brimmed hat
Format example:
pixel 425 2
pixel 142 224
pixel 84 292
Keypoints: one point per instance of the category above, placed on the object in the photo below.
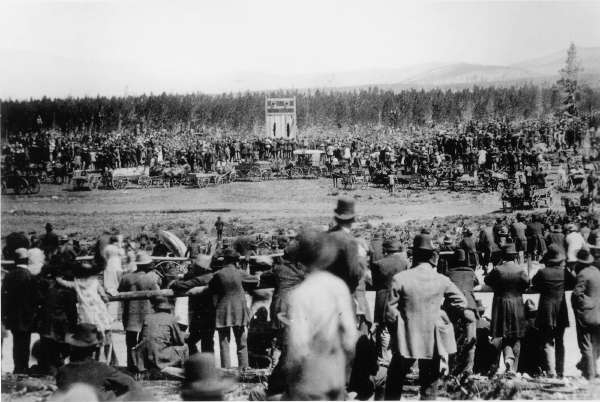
pixel 229 255
pixel 584 257
pixel 467 231
pixel 509 249
pixel 423 242
pixel 392 246
pixel 460 255
pixel 203 381
pixel 554 255
pixel 161 303
pixel 84 336
pixel 202 261
pixel 571 227
pixel 142 258
pixel 345 209
pixel 83 269
pixel 447 240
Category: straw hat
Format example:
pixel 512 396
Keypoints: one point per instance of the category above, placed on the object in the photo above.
pixel 142 259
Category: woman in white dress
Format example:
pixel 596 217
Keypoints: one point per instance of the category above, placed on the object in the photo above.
pixel 113 272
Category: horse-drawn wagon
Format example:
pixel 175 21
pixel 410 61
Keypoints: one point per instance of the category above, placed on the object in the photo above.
pixel 86 180
pixel 20 184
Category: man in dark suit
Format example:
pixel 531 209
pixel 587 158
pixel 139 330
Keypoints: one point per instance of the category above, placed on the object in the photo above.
pixel 468 245
pixel 517 232
pixel 465 325
pixel 422 331
pixel 134 311
pixel 586 306
pixel 350 260
pixel 20 301
pixel 383 272
pixel 557 237
pixel 201 308
pixel 552 315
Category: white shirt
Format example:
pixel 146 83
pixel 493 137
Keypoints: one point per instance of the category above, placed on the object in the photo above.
pixel 575 242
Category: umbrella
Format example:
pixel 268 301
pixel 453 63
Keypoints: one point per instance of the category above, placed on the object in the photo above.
pixel 172 242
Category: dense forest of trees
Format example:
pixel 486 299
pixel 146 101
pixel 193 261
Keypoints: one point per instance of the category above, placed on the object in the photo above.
pixel 245 112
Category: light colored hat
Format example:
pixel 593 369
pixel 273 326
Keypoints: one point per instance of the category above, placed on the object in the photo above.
pixel 21 255
pixel 142 258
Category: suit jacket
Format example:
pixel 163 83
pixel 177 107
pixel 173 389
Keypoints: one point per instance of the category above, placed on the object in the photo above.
pixel 508 281
pixel 284 277
pixel 586 297
pixel 464 278
pixel 414 309
pixel 161 343
pixel 232 308
pixel 201 307
pixel 517 230
pixel 468 244
pixel 349 263
pixel 134 311
pixel 360 298
pixel 558 239
pixel 383 273
pixel 20 300
pixel 552 307
pixel 106 380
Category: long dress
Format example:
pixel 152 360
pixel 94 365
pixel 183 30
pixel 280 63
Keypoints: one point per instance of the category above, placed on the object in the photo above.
pixel 91 308
pixel 112 276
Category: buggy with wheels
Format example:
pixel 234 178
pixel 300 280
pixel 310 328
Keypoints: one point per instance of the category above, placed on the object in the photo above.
pixel 85 180
pixel 254 171
pixel 20 184
pixel 309 163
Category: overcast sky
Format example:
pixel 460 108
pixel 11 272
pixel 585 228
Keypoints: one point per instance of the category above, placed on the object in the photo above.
pixel 75 48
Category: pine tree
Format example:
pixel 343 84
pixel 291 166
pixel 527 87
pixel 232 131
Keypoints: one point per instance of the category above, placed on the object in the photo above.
pixel 568 82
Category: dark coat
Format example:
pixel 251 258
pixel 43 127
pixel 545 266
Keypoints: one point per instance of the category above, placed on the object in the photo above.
pixel 508 281
pixel 468 244
pixel 161 343
pixel 134 311
pixel 517 231
pixel 348 264
pixel 232 308
pixel 586 297
pixel 535 238
pixel 20 300
pixel 552 312
pixel 382 274
pixel 201 307
pixel 284 277
pixel 465 280
pixel 376 250
pixel 58 313
pixel 106 380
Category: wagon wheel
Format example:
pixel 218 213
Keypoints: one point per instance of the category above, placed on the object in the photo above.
pixel 144 181
pixel 122 183
pixel 21 185
pixel 34 185
pixel 266 175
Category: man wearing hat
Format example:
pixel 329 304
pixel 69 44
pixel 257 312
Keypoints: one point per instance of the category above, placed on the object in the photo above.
pixel 556 237
pixel 203 382
pixel 108 382
pixel 134 311
pixel 517 232
pixel 351 258
pixel 508 281
pixel 200 307
pixel 586 306
pixel 466 324
pixel 535 237
pixel 162 343
pixel 446 253
pixel 232 310
pixel 20 300
pixel 552 315
pixel 421 329
pixel 468 245
pixel 49 240
pixel 383 272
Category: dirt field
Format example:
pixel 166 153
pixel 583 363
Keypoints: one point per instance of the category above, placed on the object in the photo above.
pixel 262 205
pixel 250 207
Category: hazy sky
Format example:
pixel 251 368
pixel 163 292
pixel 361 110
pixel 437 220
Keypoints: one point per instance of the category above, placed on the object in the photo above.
pixel 84 47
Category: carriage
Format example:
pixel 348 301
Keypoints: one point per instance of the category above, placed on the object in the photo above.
pixel 526 197
pixel 310 164
pixel 85 180
pixel 20 184
pixel 254 171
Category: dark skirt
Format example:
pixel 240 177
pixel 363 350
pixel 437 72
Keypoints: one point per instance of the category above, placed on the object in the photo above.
pixel 508 317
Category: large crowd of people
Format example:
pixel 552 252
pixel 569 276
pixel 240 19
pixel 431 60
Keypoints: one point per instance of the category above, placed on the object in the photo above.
pixel 318 334
pixel 493 145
